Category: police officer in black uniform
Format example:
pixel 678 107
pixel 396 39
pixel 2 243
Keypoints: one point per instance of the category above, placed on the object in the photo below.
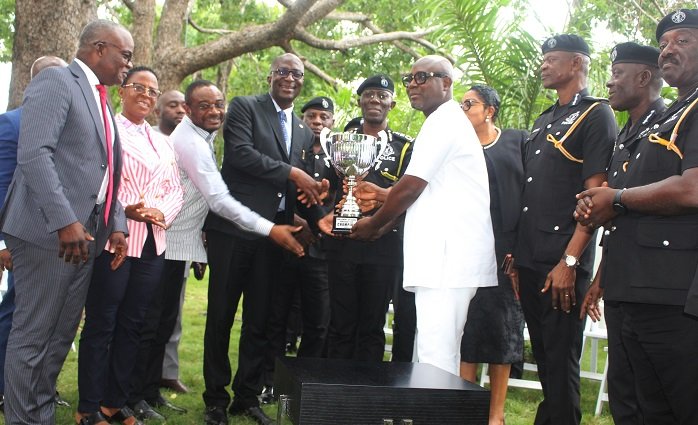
pixel 634 86
pixel 568 150
pixel 651 253
pixel 306 275
pixel 363 275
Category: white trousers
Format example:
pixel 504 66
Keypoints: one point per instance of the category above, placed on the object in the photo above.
pixel 441 316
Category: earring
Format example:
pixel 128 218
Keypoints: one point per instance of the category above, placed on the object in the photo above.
pixel 487 118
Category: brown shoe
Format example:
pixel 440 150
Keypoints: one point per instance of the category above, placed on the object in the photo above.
pixel 175 385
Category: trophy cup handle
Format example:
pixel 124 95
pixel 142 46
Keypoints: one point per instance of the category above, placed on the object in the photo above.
pixel 324 136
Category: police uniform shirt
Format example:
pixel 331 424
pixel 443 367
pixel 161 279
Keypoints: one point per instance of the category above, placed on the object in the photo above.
pixel 652 259
pixel 627 143
pixel 552 179
pixel 389 167
pixel 318 166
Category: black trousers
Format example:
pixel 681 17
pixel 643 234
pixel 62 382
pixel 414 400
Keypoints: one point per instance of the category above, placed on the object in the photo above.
pixel 359 299
pixel 662 345
pixel 622 394
pixel 556 340
pixel 159 323
pixel 239 267
pixel 309 275
pixel 117 302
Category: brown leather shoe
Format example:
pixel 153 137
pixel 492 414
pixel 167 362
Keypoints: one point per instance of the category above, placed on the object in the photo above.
pixel 175 385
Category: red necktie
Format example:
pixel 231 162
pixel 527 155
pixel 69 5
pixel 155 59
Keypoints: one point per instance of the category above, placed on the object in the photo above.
pixel 107 131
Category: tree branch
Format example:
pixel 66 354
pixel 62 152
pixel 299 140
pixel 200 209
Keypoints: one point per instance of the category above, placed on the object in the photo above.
pixel 662 12
pixel 206 30
pixel 309 66
pixel 129 4
pixel 641 10
pixel 342 45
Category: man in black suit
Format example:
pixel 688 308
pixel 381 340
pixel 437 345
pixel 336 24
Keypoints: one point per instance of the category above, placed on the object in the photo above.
pixel 264 143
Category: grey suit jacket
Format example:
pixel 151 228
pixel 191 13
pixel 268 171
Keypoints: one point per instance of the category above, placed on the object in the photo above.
pixel 61 161
pixel 255 163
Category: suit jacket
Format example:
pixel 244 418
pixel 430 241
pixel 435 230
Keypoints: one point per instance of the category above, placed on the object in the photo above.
pixel 255 163
pixel 9 134
pixel 61 160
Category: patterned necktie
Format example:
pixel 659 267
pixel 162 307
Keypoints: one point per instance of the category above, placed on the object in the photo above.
pixel 287 140
pixel 107 131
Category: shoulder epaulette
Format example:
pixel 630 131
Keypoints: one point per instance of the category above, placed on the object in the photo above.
pixel 403 136
pixel 595 99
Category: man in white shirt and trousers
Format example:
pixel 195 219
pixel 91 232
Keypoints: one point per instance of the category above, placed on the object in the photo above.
pixel 448 244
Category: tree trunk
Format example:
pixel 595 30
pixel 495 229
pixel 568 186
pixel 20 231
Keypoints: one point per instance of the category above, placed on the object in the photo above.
pixel 45 31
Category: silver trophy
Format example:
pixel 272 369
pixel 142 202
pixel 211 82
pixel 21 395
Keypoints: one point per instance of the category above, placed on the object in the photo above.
pixel 352 155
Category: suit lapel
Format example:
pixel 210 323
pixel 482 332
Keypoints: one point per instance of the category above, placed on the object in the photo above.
pixel 296 136
pixel 92 106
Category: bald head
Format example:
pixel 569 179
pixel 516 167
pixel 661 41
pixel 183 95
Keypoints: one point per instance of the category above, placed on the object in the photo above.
pixel 45 62
pixel 436 63
pixel 430 84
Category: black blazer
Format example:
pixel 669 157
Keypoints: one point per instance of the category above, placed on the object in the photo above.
pixel 255 163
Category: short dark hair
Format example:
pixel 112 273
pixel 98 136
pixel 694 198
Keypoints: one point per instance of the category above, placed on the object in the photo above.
pixel 94 30
pixel 489 96
pixel 193 86
pixel 136 69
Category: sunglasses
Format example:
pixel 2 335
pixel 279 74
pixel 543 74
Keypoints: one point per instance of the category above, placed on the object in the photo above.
pixel 420 77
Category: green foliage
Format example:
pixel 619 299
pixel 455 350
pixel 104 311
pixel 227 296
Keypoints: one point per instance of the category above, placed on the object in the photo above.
pixel 7 30
pixel 492 48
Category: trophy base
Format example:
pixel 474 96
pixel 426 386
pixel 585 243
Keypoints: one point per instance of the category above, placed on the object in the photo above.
pixel 342 225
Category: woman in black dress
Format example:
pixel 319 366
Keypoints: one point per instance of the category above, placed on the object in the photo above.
pixel 494 330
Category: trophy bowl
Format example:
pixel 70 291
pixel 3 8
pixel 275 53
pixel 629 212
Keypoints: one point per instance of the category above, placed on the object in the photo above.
pixel 352 155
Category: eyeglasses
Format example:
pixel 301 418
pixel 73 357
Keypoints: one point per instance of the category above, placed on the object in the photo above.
pixel 284 72
pixel 141 89
pixel 468 103
pixel 126 54
pixel 421 77
pixel 204 106
pixel 373 94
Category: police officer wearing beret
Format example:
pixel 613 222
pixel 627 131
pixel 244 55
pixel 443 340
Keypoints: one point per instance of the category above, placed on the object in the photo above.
pixel 634 86
pixel 306 275
pixel 363 275
pixel 650 251
pixel 568 150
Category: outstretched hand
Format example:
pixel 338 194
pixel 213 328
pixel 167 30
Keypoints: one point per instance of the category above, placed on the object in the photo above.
pixel 283 235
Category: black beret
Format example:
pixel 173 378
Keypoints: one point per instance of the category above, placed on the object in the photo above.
pixel 565 43
pixel 354 124
pixel 321 103
pixel 379 81
pixel 682 18
pixel 634 53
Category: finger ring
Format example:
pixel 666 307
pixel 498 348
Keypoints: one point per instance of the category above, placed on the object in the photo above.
pixel 567 295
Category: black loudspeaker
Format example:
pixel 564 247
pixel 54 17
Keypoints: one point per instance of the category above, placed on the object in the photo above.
pixel 342 392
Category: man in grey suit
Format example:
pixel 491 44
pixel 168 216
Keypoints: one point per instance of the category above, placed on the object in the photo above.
pixel 264 144
pixel 60 211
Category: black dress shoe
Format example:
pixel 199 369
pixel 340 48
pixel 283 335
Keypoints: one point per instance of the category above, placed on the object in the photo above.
pixel 161 402
pixel 93 419
pixel 215 415
pixel 253 412
pixel 199 270
pixel 175 385
pixel 145 412
pixel 267 396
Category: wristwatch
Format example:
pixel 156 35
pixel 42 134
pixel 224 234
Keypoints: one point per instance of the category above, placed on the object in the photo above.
pixel 618 205
pixel 571 260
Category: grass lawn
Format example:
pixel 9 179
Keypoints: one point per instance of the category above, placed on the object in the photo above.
pixel 521 403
